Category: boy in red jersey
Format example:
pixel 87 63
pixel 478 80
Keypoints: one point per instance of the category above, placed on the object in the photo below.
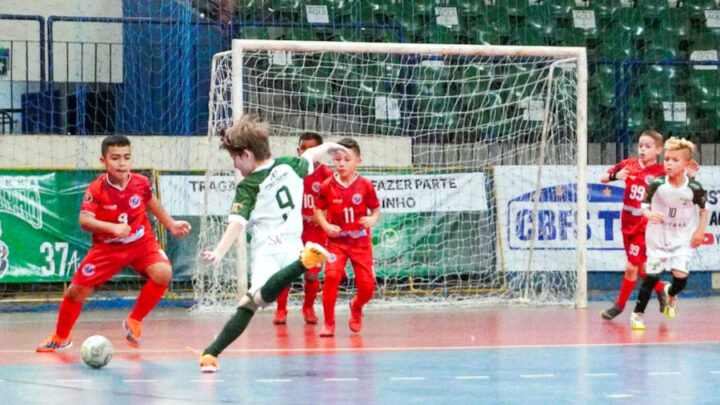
pixel 312 232
pixel 113 210
pixel 638 173
pixel 346 207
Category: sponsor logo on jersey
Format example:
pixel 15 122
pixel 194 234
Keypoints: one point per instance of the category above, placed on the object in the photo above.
pixel 357 198
pixel 332 258
pixel 649 179
pixel 88 269
pixel 135 201
pixel 88 197
pixel 236 207
pixel 316 186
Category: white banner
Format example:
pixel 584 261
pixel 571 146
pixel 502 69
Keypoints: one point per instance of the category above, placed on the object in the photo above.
pixel 555 243
pixel 398 193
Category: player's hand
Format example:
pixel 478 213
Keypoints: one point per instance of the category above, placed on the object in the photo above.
pixel 654 217
pixel 335 149
pixel 692 168
pixel 332 231
pixel 366 222
pixel 211 256
pixel 697 239
pixel 180 228
pixel 622 174
pixel 121 230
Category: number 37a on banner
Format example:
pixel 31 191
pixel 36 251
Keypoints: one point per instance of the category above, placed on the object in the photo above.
pixel 57 261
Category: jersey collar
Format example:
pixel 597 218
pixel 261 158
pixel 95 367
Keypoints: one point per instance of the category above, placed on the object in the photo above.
pixel 267 165
pixel 340 182
pixel 107 178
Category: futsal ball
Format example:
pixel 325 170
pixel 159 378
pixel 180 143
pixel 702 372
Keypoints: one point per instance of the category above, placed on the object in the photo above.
pixel 96 351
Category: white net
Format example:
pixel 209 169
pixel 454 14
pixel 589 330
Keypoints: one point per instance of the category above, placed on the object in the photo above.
pixel 458 146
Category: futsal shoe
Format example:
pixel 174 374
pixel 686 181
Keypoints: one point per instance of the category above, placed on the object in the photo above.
pixel 309 315
pixel 662 298
pixel 280 317
pixel 671 308
pixel 328 330
pixel 209 364
pixel 355 321
pixel 133 327
pixel 313 255
pixel 53 343
pixel 611 312
pixel 636 321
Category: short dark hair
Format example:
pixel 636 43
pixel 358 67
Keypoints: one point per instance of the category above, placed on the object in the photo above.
pixel 113 140
pixel 307 136
pixel 249 133
pixel 350 144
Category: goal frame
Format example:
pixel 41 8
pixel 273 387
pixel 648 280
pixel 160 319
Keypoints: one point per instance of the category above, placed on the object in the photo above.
pixel 239 46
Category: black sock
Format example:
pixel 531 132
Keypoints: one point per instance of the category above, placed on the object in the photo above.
pixel 281 280
pixel 646 290
pixel 678 284
pixel 233 328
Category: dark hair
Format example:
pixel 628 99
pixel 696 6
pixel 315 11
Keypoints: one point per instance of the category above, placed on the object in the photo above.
pixel 350 144
pixel 307 136
pixel 113 140
pixel 249 133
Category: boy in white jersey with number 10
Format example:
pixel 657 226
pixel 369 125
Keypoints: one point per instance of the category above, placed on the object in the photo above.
pixel 675 209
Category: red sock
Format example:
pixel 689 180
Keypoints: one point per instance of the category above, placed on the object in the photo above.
pixel 311 290
pixel 625 290
pixel 282 300
pixel 67 315
pixel 660 286
pixel 150 294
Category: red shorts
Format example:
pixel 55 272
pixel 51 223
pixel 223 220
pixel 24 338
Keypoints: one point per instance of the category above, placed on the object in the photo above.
pixel 312 233
pixel 635 248
pixel 359 254
pixel 104 261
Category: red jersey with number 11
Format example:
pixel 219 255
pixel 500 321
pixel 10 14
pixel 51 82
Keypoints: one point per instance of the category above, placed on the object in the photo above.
pixel 346 204
pixel 636 185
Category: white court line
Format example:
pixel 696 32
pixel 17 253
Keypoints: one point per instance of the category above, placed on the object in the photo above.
pixel 202 380
pixel 600 374
pixel 341 379
pixel 619 396
pixel 407 378
pixel 472 377
pixel 140 381
pixel 73 380
pixel 537 375
pixel 714 372
pixel 663 373
pixel 273 380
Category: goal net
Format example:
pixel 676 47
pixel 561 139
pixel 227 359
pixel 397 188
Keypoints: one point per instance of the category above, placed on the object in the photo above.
pixel 477 154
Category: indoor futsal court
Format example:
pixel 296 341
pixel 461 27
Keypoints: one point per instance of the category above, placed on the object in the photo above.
pixel 421 355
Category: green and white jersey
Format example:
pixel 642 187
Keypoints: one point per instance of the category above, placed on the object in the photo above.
pixel 680 207
pixel 269 201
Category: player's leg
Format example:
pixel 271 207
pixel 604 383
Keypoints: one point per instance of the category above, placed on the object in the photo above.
pixel 680 273
pixel 98 266
pixel 362 262
pixel 632 252
pixel 312 286
pixel 334 272
pixel 152 262
pixel 281 310
pixel 654 269
pixel 639 240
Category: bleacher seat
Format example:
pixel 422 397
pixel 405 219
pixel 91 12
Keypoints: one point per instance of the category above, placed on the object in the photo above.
pixel 603 82
pixel 696 8
pixel 604 10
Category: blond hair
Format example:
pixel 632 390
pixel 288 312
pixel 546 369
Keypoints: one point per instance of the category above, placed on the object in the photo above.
pixel 656 136
pixel 680 144
pixel 249 133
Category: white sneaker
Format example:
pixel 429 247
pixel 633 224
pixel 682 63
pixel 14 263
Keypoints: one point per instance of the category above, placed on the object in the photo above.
pixel 671 308
pixel 636 321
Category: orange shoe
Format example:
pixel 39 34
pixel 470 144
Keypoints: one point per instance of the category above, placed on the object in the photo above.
pixel 53 343
pixel 309 315
pixel 280 317
pixel 355 322
pixel 328 330
pixel 209 364
pixel 133 327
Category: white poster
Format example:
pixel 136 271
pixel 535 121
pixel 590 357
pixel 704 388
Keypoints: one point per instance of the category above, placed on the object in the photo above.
pixel 554 246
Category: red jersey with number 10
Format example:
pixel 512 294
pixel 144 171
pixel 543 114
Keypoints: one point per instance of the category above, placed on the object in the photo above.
pixel 110 203
pixel 636 185
pixel 312 184
pixel 346 204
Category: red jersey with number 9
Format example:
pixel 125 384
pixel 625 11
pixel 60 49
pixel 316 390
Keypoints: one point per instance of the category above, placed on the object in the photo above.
pixel 346 204
pixel 636 185
pixel 110 203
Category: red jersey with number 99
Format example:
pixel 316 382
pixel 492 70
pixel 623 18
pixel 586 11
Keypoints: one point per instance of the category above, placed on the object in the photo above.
pixel 346 204
pixel 636 185
pixel 110 203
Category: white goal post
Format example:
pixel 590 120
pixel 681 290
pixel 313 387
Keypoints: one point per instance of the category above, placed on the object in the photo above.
pixel 466 115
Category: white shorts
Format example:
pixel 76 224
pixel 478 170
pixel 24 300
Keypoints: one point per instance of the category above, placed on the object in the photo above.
pixel 265 265
pixel 656 265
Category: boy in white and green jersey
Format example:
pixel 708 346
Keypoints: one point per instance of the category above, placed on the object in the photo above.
pixel 267 202
pixel 675 209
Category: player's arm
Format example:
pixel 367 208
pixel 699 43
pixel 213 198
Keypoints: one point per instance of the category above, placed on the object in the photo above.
pixel 370 220
pixel 321 218
pixel 177 228
pixel 232 232
pixel 89 223
pixel 699 198
pixel 652 216
pixel 313 154
pixel 617 172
